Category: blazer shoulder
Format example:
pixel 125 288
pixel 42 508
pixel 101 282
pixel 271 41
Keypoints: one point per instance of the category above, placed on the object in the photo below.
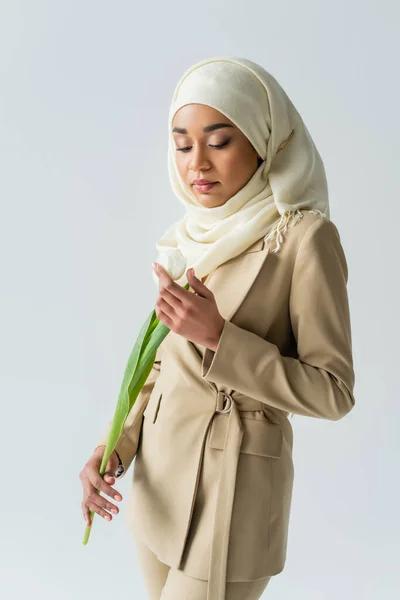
pixel 312 223
pixel 319 236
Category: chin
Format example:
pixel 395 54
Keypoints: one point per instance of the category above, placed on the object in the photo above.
pixel 208 198
pixel 211 202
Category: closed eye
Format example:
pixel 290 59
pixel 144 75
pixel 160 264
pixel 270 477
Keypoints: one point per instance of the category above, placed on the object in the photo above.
pixel 217 146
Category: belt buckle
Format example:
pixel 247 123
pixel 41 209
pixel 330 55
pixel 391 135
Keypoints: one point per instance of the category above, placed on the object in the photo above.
pixel 228 408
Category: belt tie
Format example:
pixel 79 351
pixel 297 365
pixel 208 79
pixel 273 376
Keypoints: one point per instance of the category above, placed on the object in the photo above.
pixel 225 495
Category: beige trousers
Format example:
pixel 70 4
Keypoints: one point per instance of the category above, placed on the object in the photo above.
pixel 165 583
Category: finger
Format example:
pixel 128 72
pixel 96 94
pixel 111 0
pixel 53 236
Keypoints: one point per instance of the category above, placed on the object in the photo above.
pixel 97 481
pixel 167 282
pixel 169 310
pixel 161 316
pixel 94 499
pixel 176 303
pixel 112 463
pixel 96 507
pixel 197 285
pixel 111 467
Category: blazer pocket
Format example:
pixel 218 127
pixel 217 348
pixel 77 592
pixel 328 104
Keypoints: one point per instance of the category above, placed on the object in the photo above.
pixel 259 437
pixel 157 408
pixel 153 405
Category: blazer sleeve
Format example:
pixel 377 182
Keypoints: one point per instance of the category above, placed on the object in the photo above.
pixel 127 444
pixel 320 382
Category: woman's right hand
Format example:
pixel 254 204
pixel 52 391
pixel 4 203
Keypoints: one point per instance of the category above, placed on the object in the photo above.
pixel 92 481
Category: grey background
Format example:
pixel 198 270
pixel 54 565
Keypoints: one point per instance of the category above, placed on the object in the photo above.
pixel 84 98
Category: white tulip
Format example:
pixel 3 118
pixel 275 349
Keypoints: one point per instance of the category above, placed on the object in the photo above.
pixel 173 261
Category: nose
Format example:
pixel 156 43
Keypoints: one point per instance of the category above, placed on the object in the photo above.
pixel 198 159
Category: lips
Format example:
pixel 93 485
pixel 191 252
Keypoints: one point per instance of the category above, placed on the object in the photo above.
pixel 204 187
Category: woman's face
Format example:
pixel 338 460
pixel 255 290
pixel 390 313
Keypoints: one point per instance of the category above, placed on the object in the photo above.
pixel 198 130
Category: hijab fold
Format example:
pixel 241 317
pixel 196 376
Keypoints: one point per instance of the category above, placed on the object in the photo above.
pixel 290 178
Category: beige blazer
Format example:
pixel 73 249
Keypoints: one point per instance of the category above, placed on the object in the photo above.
pixel 213 476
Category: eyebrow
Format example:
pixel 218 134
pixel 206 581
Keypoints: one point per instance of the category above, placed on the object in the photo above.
pixel 206 129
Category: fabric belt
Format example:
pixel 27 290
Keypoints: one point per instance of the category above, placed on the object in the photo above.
pixel 225 495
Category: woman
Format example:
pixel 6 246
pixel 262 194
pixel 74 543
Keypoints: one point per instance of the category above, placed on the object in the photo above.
pixel 263 331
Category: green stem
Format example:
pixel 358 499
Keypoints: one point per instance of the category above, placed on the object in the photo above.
pixel 133 383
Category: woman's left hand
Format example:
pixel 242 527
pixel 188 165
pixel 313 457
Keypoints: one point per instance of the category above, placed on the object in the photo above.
pixel 195 316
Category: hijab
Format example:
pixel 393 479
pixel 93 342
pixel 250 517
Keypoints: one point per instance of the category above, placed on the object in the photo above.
pixel 291 176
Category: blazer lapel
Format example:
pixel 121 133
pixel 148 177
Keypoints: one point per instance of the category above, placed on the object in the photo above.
pixel 231 281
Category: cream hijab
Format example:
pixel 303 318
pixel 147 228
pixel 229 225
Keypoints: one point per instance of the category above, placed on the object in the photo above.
pixel 290 178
